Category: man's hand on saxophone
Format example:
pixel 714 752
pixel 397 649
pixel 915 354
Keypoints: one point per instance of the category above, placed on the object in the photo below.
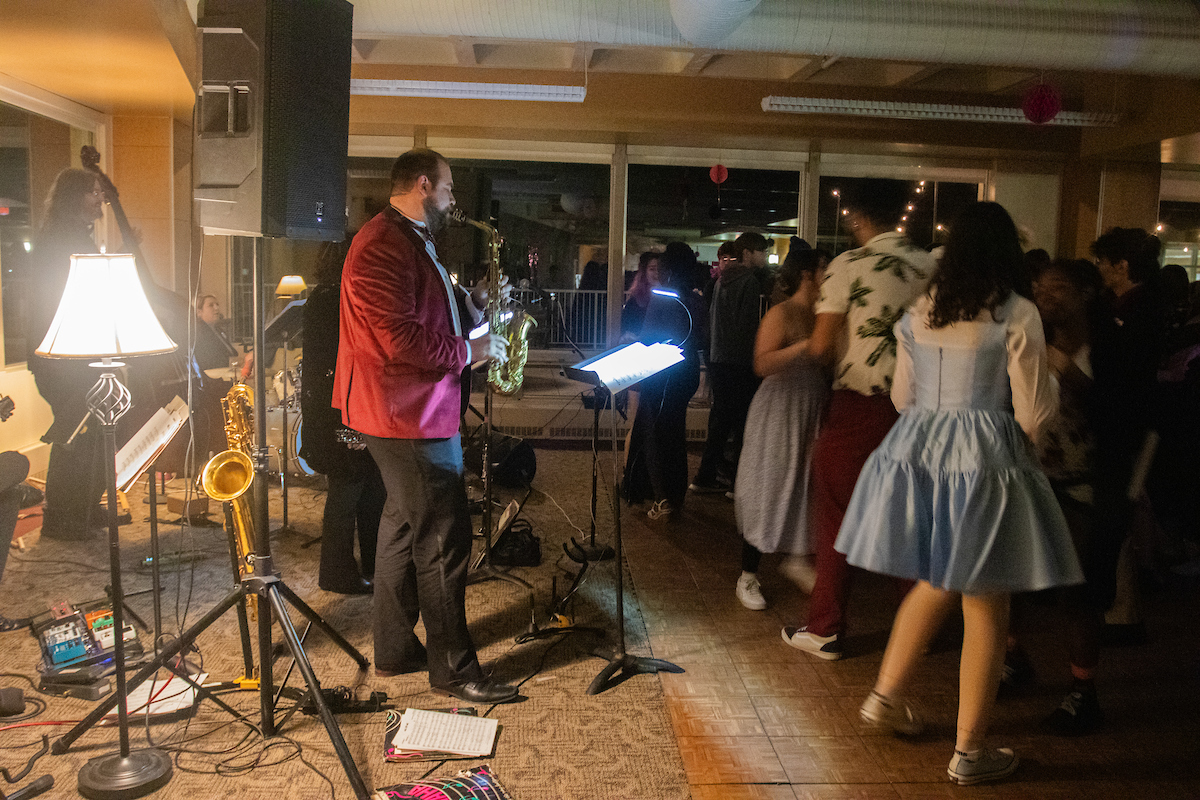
pixel 482 290
pixel 488 347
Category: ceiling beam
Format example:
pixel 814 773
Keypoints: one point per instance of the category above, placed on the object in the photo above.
pixel 464 52
pixel 914 77
pixel 581 59
pixel 814 65
pixel 697 64
pixel 363 48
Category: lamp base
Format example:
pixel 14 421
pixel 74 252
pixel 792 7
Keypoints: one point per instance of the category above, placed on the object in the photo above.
pixel 112 777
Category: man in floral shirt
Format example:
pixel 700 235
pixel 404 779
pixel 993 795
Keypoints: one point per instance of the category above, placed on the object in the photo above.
pixel 865 292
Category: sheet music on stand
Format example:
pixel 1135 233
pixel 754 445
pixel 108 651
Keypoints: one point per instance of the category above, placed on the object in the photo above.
pixel 146 445
pixel 286 324
pixel 623 366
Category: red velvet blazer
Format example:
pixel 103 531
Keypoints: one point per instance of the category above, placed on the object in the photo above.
pixel 399 357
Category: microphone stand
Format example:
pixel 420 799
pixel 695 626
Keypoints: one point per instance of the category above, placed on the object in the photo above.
pixel 600 395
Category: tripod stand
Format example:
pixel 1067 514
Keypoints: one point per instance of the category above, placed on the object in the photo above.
pixel 261 580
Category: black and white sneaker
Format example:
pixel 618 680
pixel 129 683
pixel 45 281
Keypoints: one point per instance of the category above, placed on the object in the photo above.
pixel 981 765
pixel 1079 714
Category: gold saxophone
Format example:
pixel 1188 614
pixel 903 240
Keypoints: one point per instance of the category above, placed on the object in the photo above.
pixel 229 474
pixel 505 317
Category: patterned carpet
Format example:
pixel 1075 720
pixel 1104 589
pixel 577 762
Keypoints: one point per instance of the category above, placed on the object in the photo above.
pixel 558 744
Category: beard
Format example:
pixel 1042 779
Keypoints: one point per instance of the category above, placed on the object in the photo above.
pixel 435 217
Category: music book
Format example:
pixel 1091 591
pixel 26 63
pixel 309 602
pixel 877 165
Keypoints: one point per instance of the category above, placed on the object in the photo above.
pixel 623 366
pixel 391 726
pixel 476 783
pixel 438 731
pixel 162 697
pixel 146 445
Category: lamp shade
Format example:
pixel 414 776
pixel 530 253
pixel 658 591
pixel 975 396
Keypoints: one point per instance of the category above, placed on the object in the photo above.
pixel 290 286
pixel 104 313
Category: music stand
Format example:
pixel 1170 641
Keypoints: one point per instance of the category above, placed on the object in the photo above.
pixel 615 370
pixel 287 325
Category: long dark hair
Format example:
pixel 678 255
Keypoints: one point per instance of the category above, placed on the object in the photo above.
pixel 64 201
pixel 981 266
pixel 796 264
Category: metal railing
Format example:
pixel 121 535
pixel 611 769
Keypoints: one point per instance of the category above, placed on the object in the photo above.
pixel 566 316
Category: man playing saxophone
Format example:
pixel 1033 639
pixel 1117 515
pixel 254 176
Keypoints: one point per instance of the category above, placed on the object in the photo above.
pixel 402 355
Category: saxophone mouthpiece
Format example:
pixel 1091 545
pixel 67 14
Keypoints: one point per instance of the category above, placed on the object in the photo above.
pixel 456 215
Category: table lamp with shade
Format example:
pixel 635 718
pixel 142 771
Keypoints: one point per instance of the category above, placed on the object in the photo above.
pixel 104 315
pixel 290 286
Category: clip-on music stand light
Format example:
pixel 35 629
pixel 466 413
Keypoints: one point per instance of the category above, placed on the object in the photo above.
pixel 615 370
pixel 286 326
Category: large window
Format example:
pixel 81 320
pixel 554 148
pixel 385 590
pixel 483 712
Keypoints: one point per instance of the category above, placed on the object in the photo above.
pixel 931 208
pixel 553 219
pixel 681 203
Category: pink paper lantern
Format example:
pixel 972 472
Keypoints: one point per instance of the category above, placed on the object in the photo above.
pixel 718 174
pixel 1042 104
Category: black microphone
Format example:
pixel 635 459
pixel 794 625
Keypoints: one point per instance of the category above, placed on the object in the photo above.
pixel 42 784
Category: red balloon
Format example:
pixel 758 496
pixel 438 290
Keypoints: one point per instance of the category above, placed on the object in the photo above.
pixel 1042 104
pixel 718 174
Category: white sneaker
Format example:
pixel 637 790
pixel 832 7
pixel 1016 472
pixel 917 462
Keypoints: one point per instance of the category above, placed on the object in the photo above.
pixel 826 647
pixel 660 510
pixel 981 765
pixel 749 592
pixel 882 712
pixel 799 570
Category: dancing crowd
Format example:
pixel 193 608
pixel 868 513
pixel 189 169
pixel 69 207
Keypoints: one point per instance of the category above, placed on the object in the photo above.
pixel 980 424
pixel 977 423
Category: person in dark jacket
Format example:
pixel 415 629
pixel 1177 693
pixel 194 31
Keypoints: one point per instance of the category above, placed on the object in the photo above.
pixel 734 313
pixel 656 467
pixel 356 493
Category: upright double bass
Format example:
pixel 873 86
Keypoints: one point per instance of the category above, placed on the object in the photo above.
pixel 155 380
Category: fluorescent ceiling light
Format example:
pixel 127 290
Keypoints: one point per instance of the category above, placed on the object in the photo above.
pixel 459 90
pixel 934 111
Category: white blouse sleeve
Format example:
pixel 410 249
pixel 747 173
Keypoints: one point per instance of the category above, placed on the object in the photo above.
pixel 1034 390
pixel 903 390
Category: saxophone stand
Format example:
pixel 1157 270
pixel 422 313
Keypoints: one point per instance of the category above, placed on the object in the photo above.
pixel 483 569
pixel 259 579
pixel 615 370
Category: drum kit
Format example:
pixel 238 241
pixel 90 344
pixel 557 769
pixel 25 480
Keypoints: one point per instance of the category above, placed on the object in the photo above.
pixel 287 396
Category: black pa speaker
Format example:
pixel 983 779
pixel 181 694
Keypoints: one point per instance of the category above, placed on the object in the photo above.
pixel 273 117
pixel 514 462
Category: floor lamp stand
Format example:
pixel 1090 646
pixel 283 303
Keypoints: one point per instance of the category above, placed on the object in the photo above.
pixel 126 773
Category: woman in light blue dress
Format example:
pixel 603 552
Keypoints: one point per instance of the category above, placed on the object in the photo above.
pixel 954 497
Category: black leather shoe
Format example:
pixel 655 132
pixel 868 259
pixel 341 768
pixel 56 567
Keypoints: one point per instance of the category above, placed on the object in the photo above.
pixel 418 663
pixel 479 691
pixel 358 586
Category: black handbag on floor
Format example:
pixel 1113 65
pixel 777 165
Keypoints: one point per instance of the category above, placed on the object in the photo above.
pixel 517 547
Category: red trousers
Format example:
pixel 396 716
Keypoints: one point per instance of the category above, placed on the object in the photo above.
pixel 854 427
